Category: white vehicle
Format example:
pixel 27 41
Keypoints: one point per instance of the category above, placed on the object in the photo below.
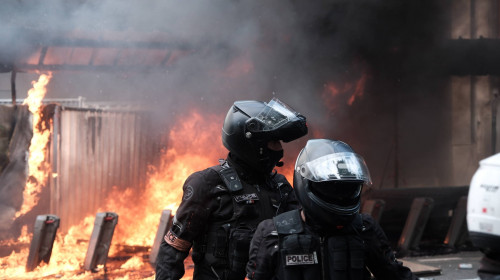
pixel 483 206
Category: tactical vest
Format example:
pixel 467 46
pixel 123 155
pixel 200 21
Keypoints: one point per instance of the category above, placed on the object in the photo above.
pixel 305 255
pixel 224 248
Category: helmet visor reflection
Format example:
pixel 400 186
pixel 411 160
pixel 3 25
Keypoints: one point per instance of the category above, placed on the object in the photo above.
pixel 339 166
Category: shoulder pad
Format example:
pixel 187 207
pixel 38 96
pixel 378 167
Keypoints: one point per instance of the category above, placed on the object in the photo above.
pixel 229 177
pixel 281 182
pixel 289 222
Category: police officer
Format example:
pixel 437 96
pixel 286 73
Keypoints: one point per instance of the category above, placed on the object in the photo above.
pixel 223 204
pixel 327 238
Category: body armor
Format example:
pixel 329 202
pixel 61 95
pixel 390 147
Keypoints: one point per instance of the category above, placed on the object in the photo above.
pixel 224 247
pixel 306 255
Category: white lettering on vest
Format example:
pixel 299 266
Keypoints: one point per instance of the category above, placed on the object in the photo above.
pixel 301 259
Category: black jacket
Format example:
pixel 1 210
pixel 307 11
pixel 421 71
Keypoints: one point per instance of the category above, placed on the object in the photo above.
pixel 366 247
pixel 218 223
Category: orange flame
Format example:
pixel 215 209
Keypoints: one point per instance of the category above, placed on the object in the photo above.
pixel 333 92
pixel 38 167
pixel 65 262
pixel 193 144
pixel 358 90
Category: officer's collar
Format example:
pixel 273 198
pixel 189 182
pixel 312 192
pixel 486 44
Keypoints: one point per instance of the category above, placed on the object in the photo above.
pixel 337 225
pixel 245 171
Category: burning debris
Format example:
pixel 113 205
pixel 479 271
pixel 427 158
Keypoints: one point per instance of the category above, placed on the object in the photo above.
pixel 305 51
pixel 75 252
pixel 100 241
pixel 44 234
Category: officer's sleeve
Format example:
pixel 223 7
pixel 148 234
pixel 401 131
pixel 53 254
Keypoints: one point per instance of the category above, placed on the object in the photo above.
pixel 263 254
pixel 188 223
pixel 169 262
pixel 380 258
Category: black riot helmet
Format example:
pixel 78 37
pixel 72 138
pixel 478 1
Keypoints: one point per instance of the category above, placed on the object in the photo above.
pixel 250 125
pixel 327 180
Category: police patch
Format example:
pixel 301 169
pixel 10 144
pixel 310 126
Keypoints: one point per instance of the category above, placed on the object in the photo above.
pixel 249 198
pixel 188 192
pixel 301 259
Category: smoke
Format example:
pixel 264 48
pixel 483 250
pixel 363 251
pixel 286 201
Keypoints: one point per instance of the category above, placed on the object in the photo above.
pixel 290 47
pixel 235 50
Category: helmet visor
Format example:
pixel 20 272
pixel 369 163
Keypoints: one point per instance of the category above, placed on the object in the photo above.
pixel 343 166
pixel 274 115
pixel 337 192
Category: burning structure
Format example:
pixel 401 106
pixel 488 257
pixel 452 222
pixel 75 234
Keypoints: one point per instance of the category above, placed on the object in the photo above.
pixel 413 86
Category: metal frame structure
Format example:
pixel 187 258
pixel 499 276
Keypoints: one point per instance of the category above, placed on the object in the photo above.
pixel 65 54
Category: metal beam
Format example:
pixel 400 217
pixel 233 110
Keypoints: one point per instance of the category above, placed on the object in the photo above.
pixel 83 43
pixel 471 56
pixel 25 67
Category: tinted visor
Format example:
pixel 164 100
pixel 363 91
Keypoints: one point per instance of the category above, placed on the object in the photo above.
pixel 345 166
pixel 336 192
pixel 277 121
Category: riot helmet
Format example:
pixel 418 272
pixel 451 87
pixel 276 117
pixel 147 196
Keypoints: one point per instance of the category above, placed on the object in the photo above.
pixel 250 125
pixel 328 180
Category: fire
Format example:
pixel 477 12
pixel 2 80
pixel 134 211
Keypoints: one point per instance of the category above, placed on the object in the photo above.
pixel 333 92
pixel 359 89
pixel 133 262
pixel 67 256
pixel 67 250
pixel 38 169
pixel 193 144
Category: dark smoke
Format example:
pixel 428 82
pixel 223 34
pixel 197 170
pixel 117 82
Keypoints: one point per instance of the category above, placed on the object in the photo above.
pixel 248 50
pixel 292 45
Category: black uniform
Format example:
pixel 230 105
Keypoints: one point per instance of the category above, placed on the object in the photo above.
pixel 287 248
pixel 217 218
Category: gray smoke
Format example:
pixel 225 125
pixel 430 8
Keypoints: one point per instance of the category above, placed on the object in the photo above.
pixel 237 49
pixel 240 50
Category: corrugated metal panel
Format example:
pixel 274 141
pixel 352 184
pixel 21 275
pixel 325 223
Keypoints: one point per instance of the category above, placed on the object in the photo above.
pixel 94 150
